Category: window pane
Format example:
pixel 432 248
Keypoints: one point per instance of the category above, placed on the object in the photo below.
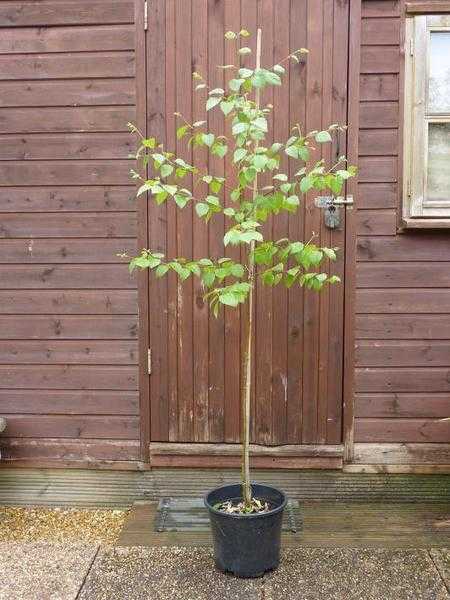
pixel 439 84
pixel 438 162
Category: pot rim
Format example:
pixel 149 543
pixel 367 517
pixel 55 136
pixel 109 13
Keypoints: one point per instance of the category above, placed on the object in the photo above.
pixel 274 511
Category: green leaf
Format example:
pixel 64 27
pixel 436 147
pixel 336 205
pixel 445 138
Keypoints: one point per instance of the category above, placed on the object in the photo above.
pixel 329 253
pixel 201 209
pixel 279 69
pixel 244 50
pixel 235 194
pixel 273 78
pixel 182 131
pixel 239 127
pixel 292 201
pixel 149 143
pixel 230 35
pixel 292 151
pixel 181 200
pixel 166 170
pixel 249 236
pixel 215 185
pixel 212 102
pixel 213 200
pixel 226 106
pixel 161 197
pixel 260 161
pixel 235 84
pixel 219 149
pixel 280 177
pixel 239 154
pixel 216 91
pixel 161 270
pixel 208 139
pixel 200 86
pixel 229 299
pixel 237 270
pixel 306 184
pixel 233 237
pixel 245 73
pixel 260 123
pixel 323 137
pixel 229 212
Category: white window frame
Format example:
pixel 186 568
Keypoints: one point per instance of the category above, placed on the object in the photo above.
pixel 417 211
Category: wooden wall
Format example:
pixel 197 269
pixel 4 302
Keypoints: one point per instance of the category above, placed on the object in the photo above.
pixel 68 350
pixel 403 279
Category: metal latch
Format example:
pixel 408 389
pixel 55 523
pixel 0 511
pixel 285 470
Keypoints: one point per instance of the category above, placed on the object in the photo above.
pixel 331 206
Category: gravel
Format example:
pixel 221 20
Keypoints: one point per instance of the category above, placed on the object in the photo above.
pixel 60 525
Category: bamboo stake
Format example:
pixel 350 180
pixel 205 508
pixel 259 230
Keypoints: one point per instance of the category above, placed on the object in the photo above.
pixel 248 355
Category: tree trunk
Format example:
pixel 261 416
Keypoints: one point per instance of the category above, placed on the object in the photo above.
pixel 248 354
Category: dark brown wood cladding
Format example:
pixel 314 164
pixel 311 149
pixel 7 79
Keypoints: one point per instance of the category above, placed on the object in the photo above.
pixel 403 279
pixel 194 388
pixel 69 355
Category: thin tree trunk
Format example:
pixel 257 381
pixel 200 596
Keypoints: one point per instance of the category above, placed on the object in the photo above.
pixel 248 354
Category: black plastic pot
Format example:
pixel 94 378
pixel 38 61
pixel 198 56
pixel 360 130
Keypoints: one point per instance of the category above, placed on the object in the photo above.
pixel 246 545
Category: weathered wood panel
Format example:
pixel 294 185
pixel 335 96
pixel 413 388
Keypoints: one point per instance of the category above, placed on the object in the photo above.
pixel 378 142
pixel 376 222
pixel 378 115
pixel 403 380
pixel 78 92
pixel 60 377
pixel 74 302
pixel 67 352
pixel 380 59
pixel 64 39
pixel 373 169
pixel 60 146
pixel 377 195
pixel 66 65
pixel 402 353
pixel 384 31
pixel 402 301
pixel 192 397
pixel 403 327
pixel 73 427
pixel 379 87
pixel 66 276
pixel 402 405
pixel 402 430
pixel 69 402
pixel 398 275
pixel 65 120
pixel 421 247
pixel 66 12
pixel 44 250
pixel 75 198
pixel 68 306
pixel 86 327
pixel 380 8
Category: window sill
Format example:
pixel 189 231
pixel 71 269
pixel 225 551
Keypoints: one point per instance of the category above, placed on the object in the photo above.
pixel 439 223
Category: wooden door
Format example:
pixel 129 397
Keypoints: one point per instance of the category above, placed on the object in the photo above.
pixel 195 380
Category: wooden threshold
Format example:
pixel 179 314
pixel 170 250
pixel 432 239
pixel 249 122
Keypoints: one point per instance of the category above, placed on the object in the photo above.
pixel 262 457
pixel 432 455
pixel 325 524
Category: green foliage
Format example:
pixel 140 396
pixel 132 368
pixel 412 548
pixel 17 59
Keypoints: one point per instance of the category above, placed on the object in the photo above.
pixel 245 204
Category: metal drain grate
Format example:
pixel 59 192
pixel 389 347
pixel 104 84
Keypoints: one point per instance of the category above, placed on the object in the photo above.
pixel 190 514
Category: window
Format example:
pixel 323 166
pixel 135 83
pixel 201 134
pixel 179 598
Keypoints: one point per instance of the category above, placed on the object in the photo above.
pixel 427 122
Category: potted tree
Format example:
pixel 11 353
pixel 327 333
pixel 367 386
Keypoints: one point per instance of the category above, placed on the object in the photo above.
pixel 245 517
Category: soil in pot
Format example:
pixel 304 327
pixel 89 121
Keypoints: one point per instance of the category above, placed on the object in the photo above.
pixel 246 545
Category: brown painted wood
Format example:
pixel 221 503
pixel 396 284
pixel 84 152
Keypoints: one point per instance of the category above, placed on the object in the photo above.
pixel 402 405
pixel 402 353
pixel 422 247
pixel 66 276
pixel 426 301
pixel 65 39
pixel 402 430
pixel 107 427
pixel 429 6
pixel 377 195
pixel 398 275
pixel 398 454
pixel 65 120
pixel 377 115
pixel 256 462
pixel 380 8
pixel 69 327
pixel 66 453
pixel 66 251
pixel 66 65
pixel 68 352
pixel 373 169
pixel 378 142
pixel 376 222
pixel 380 59
pixel 403 327
pixel 212 449
pixel 75 198
pixel 376 87
pixel 69 402
pixel 98 377
pixel 59 146
pixel 44 301
pixel 66 12
pixel 78 92
pixel 429 379
pixel 69 225
pixel 384 31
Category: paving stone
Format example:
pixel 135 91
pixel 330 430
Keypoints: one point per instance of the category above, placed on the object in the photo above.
pixel 305 574
pixel 441 559
pixel 42 570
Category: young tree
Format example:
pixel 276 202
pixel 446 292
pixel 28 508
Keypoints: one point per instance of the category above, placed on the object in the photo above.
pixel 275 262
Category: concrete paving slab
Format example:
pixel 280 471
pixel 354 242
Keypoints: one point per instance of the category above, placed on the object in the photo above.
pixel 43 571
pixel 441 559
pixel 305 574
